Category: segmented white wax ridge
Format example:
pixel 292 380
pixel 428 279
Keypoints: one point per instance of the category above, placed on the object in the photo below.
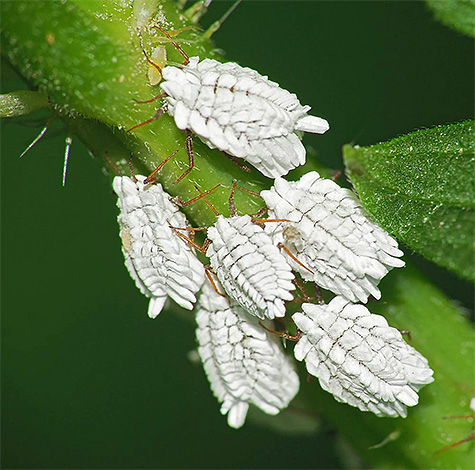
pixel 359 358
pixel 241 112
pixel 249 266
pixel 244 364
pixel 331 235
pixel 158 261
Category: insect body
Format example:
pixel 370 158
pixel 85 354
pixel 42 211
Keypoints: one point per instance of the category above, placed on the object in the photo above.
pixel 240 112
pixel 244 364
pixel 330 234
pixel 359 358
pixel 159 263
pixel 249 266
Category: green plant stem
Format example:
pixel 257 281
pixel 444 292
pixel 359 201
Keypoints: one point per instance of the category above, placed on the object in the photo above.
pixel 20 103
pixel 102 72
pixel 86 57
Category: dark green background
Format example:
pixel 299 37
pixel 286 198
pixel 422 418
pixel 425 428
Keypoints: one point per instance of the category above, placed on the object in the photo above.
pixel 89 381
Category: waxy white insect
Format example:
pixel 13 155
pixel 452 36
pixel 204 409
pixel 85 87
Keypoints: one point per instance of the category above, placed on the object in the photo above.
pixel 249 266
pixel 244 364
pixel 358 358
pixel 330 234
pixel 160 264
pixel 240 112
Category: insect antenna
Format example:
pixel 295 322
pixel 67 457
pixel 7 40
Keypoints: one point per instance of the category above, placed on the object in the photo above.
pixel 177 46
pixel 147 58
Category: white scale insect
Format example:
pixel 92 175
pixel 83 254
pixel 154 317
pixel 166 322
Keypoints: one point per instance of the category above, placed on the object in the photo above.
pixel 238 111
pixel 160 264
pixel 251 269
pixel 249 266
pixel 358 358
pixel 244 364
pixel 330 234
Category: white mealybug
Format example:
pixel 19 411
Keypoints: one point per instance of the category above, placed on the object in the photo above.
pixel 244 364
pixel 160 264
pixel 249 266
pixel 238 111
pixel 358 358
pixel 330 234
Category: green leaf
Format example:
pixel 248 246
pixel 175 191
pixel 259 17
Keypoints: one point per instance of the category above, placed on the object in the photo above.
pixel 420 187
pixel 19 103
pixel 457 14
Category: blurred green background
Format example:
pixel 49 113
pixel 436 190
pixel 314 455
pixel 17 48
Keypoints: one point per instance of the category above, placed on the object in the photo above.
pixel 89 381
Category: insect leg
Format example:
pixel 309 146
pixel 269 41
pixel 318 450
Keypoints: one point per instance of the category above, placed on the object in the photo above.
pixel 113 165
pixel 336 175
pixel 189 151
pixel 197 198
pixel 201 249
pixel 232 204
pixel 283 247
pixel 151 100
pixel 151 177
pixel 469 438
pixel 208 271
pixel 237 162
pixel 301 289
pixel 407 333
pixel 318 295
pixel 283 335
pixel 157 115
